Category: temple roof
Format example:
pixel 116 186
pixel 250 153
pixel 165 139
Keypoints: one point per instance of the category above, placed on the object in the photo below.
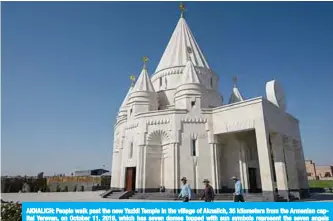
pixel 235 95
pixel 143 83
pixel 176 54
pixel 126 98
pixel 189 75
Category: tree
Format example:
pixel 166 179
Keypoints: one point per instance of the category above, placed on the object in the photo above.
pixel 11 211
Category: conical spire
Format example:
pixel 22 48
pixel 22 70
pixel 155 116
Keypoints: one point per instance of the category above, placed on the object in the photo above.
pixel 123 105
pixel 235 95
pixel 143 83
pixel 143 95
pixel 175 53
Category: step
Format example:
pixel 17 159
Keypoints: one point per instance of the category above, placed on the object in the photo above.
pixel 120 195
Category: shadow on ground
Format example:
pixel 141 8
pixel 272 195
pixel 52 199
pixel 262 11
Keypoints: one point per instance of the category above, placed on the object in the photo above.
pixel 320 197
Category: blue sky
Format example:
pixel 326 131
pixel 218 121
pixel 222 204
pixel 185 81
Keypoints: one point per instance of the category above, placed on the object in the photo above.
pixel 66 67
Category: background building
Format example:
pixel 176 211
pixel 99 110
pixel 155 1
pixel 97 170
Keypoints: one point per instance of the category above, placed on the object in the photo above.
pixel 315 172
pixel 93 172
pixel 87 180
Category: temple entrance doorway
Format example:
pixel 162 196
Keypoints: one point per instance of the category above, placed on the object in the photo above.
pixel 237 155
pixel 130 178
pixel 253 187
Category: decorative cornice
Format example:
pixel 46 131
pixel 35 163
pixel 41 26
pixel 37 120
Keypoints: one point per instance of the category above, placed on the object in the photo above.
pixel 239 125
pixel 131 126
pixel 240 104
pixel 179 70
pixel 156 122
pixel 194 120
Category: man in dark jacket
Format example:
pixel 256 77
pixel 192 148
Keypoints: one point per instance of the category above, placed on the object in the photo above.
pixel 208 193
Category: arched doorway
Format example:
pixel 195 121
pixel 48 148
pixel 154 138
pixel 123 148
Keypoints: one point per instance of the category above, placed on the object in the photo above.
pixel 157 159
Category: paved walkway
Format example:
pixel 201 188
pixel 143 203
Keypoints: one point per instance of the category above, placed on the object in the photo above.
pixel 95 197
pixel 63 197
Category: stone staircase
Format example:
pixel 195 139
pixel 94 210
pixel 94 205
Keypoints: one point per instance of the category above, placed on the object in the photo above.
pixel 118 195
pixel 154 196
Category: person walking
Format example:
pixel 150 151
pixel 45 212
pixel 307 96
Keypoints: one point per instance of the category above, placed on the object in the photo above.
pixel 208 193
pixel 185 193
pixel 238 195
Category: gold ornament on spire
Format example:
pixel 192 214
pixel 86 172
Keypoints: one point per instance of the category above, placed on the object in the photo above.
pixel 182 9
pixel 132 78
pixel 145 59
pixel 234 79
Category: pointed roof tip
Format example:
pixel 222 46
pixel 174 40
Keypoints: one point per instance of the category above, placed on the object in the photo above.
pixel 190 75
pixel 234 79
pixel 124 103
pixel 182 9
pixel 143 83
pixel 145 59
pixel 175 54
pixel 236 96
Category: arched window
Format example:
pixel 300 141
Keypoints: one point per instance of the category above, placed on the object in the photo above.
pixel 211 82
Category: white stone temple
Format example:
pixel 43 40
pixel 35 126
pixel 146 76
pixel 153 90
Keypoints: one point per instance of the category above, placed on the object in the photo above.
pixel 175 124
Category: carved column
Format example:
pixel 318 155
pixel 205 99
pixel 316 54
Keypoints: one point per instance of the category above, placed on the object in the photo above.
pixel 223 179
pixel 214 166
pixel 115 169
pixel 139 165
pixel 175 167
pixel 301 169
pixel 265 163
pixel 144 168
pixel 240 162
pixel 244 166
pixel 291 167
pixel 280 165
pixel 122 169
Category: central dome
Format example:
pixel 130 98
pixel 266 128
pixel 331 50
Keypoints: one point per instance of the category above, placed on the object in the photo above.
pixel 176 55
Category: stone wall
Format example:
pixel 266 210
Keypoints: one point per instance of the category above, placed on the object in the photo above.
pixel 78 183
pixel 324 171
pixel 318 172
pixel 15 184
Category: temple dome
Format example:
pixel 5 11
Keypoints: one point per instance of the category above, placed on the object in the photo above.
pixel 175 54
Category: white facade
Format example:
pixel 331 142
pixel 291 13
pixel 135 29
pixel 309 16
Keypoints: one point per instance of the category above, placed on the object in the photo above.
pixel 174 124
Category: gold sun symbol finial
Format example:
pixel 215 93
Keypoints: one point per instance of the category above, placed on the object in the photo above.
pixel 182 9
pixel 132 78
pixel 145 59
